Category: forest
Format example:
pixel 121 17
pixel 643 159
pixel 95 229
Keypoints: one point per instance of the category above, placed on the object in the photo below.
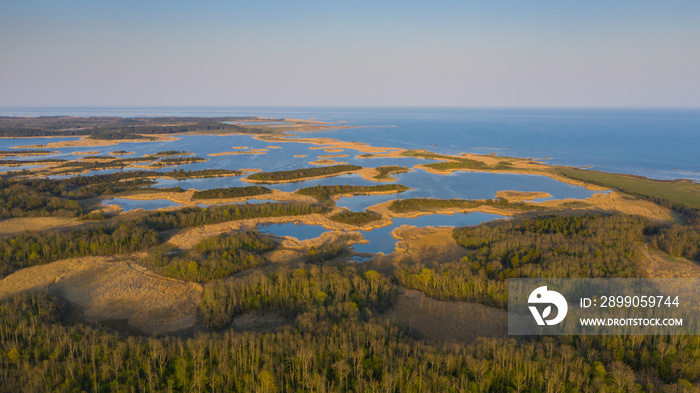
pixel 327 192
pixel 174 161
pixel 331 334
pixel 25 152
pixel 355 218
pixel 212 258
pixel 325 322
pixel 551 246
pixel 231 192
pixel 31 162
pixel 421 204
pixel 385 171
pixel 140 233
pixel 303 173
pixel 334 342
pixel 61 197
pixel 93 163
pixel 113 128
pixel 196 216
pixel 29 249
pixel 171 153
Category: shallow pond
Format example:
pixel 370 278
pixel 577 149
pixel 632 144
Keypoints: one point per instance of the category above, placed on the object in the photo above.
pixel 467 185
pixel 293 229
pixel 19 167
pixel 132 204
pixel 381 240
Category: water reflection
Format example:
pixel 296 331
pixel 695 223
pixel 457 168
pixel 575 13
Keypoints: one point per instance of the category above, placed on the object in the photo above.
pixel 467 185
pixel 132 204
pixel 293 229
pixel 381 240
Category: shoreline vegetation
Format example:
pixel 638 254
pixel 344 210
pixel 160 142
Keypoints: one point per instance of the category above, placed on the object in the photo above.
pixel 682 191
pixel 428 204
pixel 231 192
pixel 301 174
pixel 385 172
pixel 677 196
pixel 673 192
pixel 25 152
pixel 323 193
pixel 196 298
pixel 236 274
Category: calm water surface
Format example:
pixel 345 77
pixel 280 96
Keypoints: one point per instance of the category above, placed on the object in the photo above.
pixel 293 229
pixel 658 143
pixel 654 143
pixel 132 204
pixel 381 240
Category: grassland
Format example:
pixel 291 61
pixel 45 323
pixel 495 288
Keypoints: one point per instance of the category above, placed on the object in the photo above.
pixel 679 191
pixel 456 163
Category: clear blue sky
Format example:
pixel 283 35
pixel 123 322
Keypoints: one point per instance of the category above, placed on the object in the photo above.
pixel 447 53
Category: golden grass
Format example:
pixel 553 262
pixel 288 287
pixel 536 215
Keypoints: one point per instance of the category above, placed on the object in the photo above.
pixel 113 288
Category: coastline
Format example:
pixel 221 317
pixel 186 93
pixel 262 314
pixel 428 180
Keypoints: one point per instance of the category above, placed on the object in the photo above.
pixel 491 162
pixel 245 179
pixel 85 141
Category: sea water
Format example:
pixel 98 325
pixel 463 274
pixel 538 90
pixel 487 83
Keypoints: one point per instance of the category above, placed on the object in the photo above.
pixel 657 143
pixel 654 143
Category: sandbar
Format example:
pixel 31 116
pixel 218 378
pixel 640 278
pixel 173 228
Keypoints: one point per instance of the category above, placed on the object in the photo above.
pixel 521 196
pixel 229 153
pixel 85 153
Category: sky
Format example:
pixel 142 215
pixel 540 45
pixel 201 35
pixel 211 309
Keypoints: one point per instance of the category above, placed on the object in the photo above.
pixel 350 53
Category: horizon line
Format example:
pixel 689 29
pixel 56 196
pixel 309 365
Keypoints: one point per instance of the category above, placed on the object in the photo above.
pixel 348 106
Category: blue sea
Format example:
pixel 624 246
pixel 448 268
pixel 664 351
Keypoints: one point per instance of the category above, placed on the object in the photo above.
pixel 656 143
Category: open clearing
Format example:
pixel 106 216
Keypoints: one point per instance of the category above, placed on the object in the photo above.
pixel 444 321
pixel 113 289
pixel 33 224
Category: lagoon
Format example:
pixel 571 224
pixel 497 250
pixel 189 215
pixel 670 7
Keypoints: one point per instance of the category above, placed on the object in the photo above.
pixel 381 240
pixel 133 204
pixel 293 229
pixel 658 143
pixel 467 185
